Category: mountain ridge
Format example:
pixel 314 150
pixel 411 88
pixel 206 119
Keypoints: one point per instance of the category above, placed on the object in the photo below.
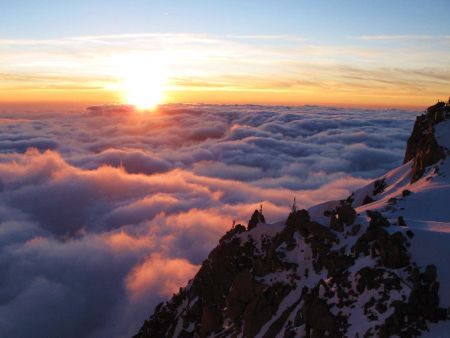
pixel 353 267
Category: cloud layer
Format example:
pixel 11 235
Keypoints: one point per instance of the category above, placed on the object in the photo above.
pixel 105 213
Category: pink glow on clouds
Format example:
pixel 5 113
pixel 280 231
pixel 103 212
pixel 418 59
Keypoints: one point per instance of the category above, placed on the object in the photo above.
pixel 159 274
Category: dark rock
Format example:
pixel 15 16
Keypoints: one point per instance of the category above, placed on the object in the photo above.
pixel 349 200
pixel 377 219
pixel 335 262
pixel 379 186
pixel 263 307
pixel 401 221
pixel 392 250
pixel 256 218
pixel 373 278
pixel 336 224
pixel 231 233
pixel 381 307
pixel 296 219
pixel 300 221
pixel 392 200
pixel 367 200
pixel 410 317
pixel 277 325
pixel 327 213
pixel 241 292
pixel 372 301
pixel 430 274
pixel 318 230
pixel 346 214
pixel 159 323
pixel 406 192
pixel 422 147
pixel 210 320
pixel 409 233
pixel 436 107
pixel 376 241
pixel 355 229
pixel 318 319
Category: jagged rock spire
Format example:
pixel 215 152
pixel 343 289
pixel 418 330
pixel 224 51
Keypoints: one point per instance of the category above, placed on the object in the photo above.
pixel 256 218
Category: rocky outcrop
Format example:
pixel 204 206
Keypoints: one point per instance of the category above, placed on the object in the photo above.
pixel 379 186
pixel 224 289
pixel 377 242
pixel 234 292
pixel 256 218
pixel 345 273
pixel 207 293
pixel 319 321
pixel 422 147
pixel 410 316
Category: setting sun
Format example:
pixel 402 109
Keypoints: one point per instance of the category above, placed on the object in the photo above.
pixel 143 91
pixel 142 81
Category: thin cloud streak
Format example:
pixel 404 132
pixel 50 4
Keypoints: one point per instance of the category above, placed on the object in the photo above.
pixel 398 37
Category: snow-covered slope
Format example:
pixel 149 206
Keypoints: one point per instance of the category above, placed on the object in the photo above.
pixel 375 264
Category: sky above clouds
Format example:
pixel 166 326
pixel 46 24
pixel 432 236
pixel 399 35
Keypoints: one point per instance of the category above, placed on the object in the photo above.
pixel 363 53
pixel 106 212
pixel 324 19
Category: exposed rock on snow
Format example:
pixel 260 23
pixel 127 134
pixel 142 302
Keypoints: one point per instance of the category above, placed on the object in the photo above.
pixel 374 264
pixel 423 148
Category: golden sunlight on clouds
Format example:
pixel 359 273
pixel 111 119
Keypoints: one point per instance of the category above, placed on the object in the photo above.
pixel 148 69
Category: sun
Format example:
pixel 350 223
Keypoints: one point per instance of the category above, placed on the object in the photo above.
pixel 145 92
pixel 143 81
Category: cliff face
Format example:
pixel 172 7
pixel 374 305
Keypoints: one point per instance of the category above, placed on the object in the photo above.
pixel 422 147
pixel 353 268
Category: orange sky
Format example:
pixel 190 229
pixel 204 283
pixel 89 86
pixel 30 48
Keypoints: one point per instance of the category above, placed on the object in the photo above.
pixel 187 68
pixel 82 98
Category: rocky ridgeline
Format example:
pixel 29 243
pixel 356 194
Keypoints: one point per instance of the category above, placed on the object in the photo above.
pixel 422 147
pixel 347 270
pixel 344 275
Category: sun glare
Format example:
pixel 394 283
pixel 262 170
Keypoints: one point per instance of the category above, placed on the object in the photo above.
pixel 142 82
pixel 144 92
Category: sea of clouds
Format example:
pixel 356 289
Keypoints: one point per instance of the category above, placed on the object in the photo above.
pixel 106 212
